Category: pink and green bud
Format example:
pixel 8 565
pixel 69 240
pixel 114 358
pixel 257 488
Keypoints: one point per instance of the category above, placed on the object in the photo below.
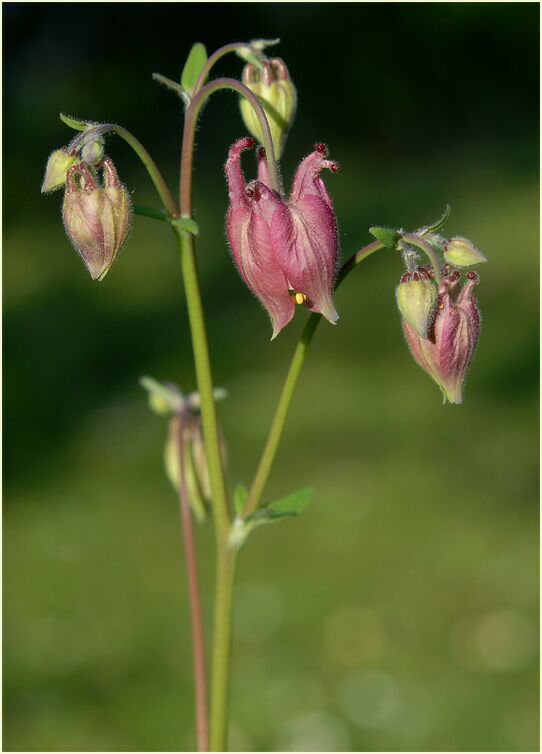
pixel 58 164
pixel 460 252
pixel 417 298
pixel 448 350
pixel 286 251
pixel 96 217
pixel 276 92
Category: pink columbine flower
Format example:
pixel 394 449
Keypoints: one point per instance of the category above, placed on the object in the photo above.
pixel 286 251
pixel 448 350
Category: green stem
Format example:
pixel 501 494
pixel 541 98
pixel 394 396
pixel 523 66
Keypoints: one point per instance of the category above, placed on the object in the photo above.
pixel 155 214
pixel 225 563
pixel 298 359
pixel 205 383
pixel 273 439
pixel 191 116
pixel 221 658
pixel 214 58
pixel 150 165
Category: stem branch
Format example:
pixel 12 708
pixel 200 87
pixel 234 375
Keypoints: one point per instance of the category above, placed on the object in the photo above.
pixel 214 58
pixel 150 165
pixel 275 433
pixel 191 116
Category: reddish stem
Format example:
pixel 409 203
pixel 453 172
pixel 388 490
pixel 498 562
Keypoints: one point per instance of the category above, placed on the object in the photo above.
pixel 198 645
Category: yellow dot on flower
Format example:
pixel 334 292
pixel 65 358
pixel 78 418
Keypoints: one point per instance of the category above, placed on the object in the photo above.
pixel 298 297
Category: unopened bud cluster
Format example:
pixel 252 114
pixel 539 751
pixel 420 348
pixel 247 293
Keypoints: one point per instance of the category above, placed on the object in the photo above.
pixel 97 208
pixel 441 322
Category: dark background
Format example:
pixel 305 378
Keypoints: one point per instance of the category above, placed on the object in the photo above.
pixel 401 611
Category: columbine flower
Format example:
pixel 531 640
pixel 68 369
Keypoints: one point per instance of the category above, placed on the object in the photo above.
pixel 96 218
pixel 274 88
pixel 286 251
pixel 448 350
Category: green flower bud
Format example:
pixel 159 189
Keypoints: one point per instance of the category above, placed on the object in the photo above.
pixel 278 95
pixel 58 164
pixel 417 298
pixel 460 252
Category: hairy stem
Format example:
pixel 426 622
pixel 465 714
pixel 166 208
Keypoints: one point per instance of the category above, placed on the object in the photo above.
pixel 198 642
pixel 298 359
pixel 205 383
pixel 191 116
pixel 214 58
pixel 152 169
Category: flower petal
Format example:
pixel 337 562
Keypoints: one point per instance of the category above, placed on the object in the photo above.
pixel 234 173
pixel 304 240
pixel 307 178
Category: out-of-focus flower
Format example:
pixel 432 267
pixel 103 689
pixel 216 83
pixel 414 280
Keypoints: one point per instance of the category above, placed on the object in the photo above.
pixel 274 88
pixel 184 441
pixel 446 353
pixel 96 217
pixel 286 251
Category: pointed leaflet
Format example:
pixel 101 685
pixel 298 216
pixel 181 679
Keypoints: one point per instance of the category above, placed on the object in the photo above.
pixel 197 57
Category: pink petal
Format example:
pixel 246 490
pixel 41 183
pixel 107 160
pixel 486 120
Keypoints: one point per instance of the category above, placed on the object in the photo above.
pixel 307 178
pixel 304 238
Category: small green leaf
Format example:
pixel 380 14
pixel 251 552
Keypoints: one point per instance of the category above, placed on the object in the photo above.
pixel 173 85
pixel 438 224
pixel 77 125
pixel 186 224
pixel 388 237
pixel 293 504
pixel 197 57
pixel 240 495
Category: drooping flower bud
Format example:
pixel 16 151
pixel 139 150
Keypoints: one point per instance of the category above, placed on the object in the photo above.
pixel 274 87
pixel 96 217
pixel 185 458
pixel 416 298
pixel 58 164
pixel 285 251
pixel 462 253
pixel 448 350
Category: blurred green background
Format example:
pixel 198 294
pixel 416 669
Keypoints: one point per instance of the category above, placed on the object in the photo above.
pixel 401 611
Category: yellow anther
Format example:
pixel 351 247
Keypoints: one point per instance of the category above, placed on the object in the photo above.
pixel 298 297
